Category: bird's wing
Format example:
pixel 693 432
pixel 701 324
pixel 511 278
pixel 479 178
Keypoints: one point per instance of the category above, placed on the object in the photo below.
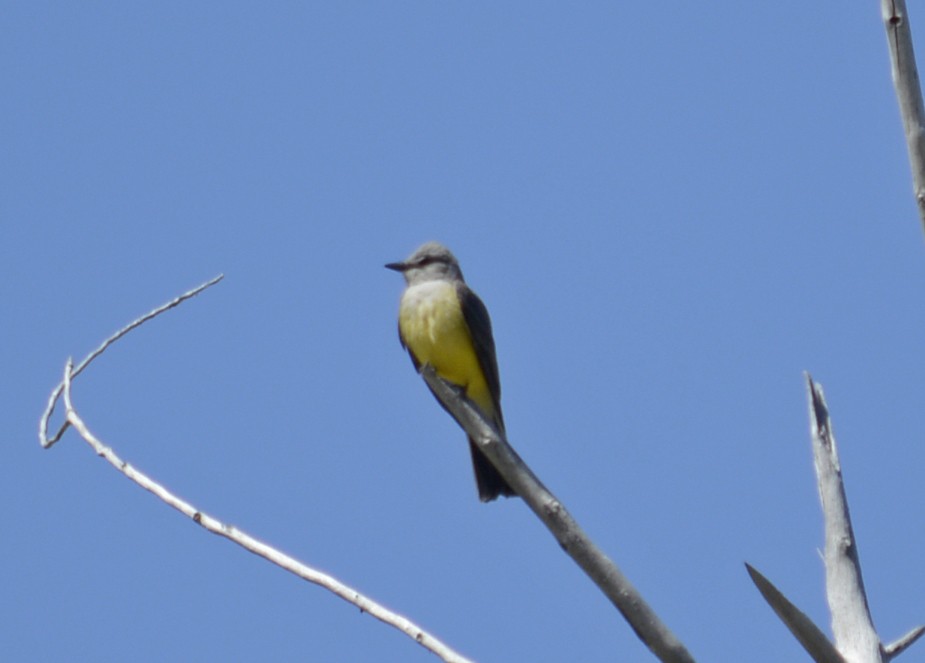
pixel 479 323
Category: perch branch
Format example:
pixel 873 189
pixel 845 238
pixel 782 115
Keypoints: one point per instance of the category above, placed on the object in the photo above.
pixel 602 571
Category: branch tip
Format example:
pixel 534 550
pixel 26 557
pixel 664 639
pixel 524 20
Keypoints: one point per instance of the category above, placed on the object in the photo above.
pixel 72 418
pixel 806 632
pixel 896 648
pixel 73 372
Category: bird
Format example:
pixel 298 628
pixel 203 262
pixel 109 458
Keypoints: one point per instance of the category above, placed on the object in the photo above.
pixel 443 323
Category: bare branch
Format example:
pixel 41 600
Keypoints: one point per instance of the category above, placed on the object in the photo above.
pixel 44 440
pixel 894 649
pixel 908 91
pixel 809 635
pixel 347 593
pixel 602 571
pixel 855 636
pixel 856 639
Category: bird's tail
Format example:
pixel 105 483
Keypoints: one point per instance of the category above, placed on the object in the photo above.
pixel 488 479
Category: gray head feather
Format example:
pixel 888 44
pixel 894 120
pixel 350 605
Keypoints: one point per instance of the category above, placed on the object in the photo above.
pixel 431 262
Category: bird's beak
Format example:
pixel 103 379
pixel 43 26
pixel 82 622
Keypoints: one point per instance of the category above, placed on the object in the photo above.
pixel 397 266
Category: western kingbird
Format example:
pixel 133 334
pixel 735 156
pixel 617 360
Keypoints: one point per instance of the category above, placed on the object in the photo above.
pixel 442 323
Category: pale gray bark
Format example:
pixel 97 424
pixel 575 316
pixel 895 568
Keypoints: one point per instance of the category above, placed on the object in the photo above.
pixel 856 640
pixel 813 640
pixel 233 534
pixel 855 635
pixel 602 571
pixel 908 91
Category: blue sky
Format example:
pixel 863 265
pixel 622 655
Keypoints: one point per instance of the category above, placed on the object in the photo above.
pixel 670 212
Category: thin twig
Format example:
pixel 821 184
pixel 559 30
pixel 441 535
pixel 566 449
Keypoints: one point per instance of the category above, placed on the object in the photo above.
pixel 249 543
pixel 602 571
pixel 44 440
pixel 894 649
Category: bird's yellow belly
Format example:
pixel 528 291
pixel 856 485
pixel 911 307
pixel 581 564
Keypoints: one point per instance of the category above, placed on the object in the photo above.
pixel 434 330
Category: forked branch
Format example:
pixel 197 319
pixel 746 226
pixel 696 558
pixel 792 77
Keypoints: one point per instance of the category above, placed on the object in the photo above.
pixel 249 543
pixel 856 640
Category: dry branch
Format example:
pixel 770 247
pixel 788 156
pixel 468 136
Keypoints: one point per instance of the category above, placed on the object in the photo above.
pixel 908 91
pixel 249 543
pixel 856 640
pixel 602 571
pixel 855 635
pixel 802 627
pixel 46 441
pixel 894 649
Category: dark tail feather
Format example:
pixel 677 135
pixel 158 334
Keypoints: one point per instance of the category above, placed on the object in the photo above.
pixel 489 480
